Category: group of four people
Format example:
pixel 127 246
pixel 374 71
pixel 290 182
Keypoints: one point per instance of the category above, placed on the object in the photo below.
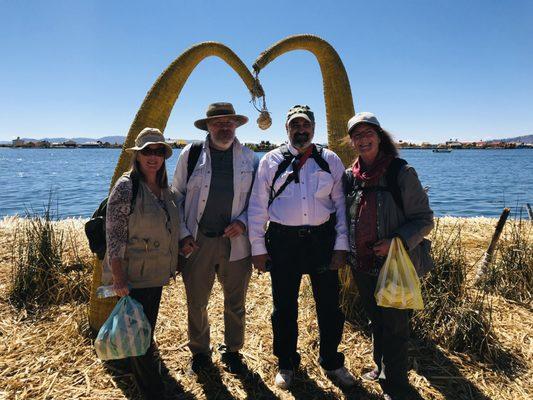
pixel 299 212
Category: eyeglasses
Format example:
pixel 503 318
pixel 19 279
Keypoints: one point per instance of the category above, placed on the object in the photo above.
pixel 296 124
pixel 364 135
pixel 222 122
pixel 158 151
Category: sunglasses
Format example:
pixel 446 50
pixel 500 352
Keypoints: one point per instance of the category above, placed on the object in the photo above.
pixel 159 151
pixel 297 124
pixel 364 135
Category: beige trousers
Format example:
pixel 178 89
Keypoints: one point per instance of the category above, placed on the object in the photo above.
pixel 199 276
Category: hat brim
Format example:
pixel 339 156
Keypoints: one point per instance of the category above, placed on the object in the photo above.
pixel 300 115
pixel 168 148
pixel 351 128
pixel 202 123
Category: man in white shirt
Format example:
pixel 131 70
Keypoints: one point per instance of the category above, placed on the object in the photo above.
pixel 212 182
pixel 298 191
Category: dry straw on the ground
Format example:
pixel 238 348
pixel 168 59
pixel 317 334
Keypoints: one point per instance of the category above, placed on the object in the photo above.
pixel 49 354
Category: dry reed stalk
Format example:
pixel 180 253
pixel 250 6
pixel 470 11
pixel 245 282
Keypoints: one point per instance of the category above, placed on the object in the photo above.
pixel 511 274
pixel 54 345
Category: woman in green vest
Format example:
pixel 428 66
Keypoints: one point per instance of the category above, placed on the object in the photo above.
pixel 142 242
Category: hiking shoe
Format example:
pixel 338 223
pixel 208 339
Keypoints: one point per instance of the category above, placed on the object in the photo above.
pixel 284 378
pixel 371 376
pixel 342 376
pixel 387 396
pixel 233 362
pixel 200 362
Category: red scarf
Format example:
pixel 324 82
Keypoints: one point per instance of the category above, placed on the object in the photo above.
pixel 366 230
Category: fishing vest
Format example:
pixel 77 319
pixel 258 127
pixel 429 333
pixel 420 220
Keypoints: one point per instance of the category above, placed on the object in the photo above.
pixel 151 255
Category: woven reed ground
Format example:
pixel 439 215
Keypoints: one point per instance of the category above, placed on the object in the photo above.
pixel 51 356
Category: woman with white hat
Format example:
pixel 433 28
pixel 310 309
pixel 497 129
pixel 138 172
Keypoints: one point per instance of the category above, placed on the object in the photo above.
pixel 384 199
pixel 142 242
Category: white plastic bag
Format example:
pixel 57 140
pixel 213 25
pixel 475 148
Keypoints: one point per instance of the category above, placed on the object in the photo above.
pixel 125 333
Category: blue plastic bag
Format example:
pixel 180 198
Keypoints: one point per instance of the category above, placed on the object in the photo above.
pixel 125 333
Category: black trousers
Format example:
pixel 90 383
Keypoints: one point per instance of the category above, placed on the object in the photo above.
pixel 292 256
pixel 390 336
pixel 146 368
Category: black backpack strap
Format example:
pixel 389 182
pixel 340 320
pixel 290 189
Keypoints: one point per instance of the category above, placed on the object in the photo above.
pixel 391 177
pixel 282 166
pixel 194 155
pixel 135 183
pixel 287 159
pixel 317 156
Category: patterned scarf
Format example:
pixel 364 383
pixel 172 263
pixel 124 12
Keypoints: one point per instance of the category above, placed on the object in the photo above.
pixel 366 229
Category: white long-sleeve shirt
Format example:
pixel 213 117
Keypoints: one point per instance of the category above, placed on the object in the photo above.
pixel 309 202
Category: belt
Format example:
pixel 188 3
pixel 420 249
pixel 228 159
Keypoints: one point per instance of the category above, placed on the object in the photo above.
pixel 298 231
pixel 211 234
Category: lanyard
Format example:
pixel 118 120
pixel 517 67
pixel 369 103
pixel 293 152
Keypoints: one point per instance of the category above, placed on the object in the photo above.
pixel 299 162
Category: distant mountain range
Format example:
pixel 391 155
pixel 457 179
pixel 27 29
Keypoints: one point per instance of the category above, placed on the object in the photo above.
pixel 80 140
pixel 120 139
pixel 517 139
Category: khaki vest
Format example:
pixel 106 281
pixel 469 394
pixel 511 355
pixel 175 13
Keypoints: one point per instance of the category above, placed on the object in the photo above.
pixel 151 255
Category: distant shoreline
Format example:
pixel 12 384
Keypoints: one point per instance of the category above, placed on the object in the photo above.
pixel 262 150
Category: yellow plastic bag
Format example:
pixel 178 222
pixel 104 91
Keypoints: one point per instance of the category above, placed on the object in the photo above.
pixel 398 284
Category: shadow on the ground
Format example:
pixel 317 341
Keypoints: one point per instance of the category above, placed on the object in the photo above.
pixel 442 373
pixel 358 392
pixel 255 387
pixel 121 375
pixel 173 389
pixel 305 388
pixel 507 363
pixel 119 371
pixel 212 385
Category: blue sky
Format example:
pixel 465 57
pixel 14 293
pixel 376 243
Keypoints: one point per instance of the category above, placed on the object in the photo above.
pixel 430 70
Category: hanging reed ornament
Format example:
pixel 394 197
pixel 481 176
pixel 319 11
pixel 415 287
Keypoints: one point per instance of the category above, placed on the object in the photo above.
pixel 264 121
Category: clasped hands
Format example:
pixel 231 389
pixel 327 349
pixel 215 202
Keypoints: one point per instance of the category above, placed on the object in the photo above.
pixel 189 245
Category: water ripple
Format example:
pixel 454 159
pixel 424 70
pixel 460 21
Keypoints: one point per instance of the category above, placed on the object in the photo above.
pixel 462 183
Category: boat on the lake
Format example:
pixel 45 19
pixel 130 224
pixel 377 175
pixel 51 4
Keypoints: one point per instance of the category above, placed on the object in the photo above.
pixel 442 150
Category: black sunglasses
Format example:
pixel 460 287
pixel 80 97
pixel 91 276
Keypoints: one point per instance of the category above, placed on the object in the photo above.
pixel 159 151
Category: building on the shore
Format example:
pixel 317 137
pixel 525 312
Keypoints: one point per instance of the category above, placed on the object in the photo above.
pixel 91 145
pixel 38 144
pixel 454 144
pixel 70 143
pixel 18 142
pixel 43 144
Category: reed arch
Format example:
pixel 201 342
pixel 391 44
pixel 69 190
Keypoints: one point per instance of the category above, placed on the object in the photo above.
pixel 155 112
pixel 337 92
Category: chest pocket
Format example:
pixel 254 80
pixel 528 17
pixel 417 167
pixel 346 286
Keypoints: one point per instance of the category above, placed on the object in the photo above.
pixel 287 192
pixel 322 183
pixel 247 176
pixel 195 181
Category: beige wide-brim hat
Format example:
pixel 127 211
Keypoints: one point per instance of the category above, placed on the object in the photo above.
pixel 150 136
pixel 219 110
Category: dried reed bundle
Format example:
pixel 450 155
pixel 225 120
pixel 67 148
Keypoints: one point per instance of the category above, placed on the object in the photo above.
pixel 50 354
pixel 511 274
pixel 47 268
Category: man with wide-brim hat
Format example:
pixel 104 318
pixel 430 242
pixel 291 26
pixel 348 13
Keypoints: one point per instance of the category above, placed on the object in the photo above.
pixel 220 110
pixel 212 181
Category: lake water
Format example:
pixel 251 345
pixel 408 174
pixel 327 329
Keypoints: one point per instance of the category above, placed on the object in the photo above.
pixel 462 183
